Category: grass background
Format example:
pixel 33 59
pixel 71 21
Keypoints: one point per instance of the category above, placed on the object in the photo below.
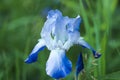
pixel 21 22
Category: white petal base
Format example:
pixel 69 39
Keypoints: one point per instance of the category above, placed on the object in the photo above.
pixel 58 65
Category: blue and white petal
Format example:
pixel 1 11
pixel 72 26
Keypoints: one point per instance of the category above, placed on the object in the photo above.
pixel 74 24
pixel 73 29
pixel 46 32
pixel 54 14
pixel 77 23
pixel 34 54
pixel 60 31
pixel 83 43
pixel 80 65
pixel 54 28
pixel 58 65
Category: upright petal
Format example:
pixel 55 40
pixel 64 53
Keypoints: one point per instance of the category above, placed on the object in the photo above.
pixel 79 66
pixel 58 65
pixel 86 45
pixel 46 32
pixel 74 24
pixel 54 14
pixel 60 29
pixel 34 54
pixel 77 23
pixel 73 31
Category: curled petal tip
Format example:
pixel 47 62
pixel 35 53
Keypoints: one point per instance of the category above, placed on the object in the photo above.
pixel 31 59
pixel 97 55
pixel 78 16
pixel 27 61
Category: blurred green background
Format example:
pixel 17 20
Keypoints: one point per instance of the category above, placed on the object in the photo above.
pixel 21 22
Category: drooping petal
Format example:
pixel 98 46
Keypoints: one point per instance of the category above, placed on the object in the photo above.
pixel 79 66
pixel 86 45
pixel 58 65
pixel 34 54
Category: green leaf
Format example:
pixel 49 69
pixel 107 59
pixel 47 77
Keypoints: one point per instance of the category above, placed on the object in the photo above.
pixel 114 75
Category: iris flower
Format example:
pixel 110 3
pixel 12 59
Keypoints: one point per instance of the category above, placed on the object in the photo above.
pixel 58 34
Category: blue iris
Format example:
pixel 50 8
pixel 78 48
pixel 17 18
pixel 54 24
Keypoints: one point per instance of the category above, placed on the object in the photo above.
pixel 58 34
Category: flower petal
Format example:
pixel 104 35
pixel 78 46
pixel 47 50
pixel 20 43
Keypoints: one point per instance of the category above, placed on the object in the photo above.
pixel 54 28
pixel 79 66
pixel 74 24
pixel 58 65
pixel 67 45
pixel 34 54
pixel 54 14
pixel 46 32
pixel 86 45
pixel 73 32
pixel 60 27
